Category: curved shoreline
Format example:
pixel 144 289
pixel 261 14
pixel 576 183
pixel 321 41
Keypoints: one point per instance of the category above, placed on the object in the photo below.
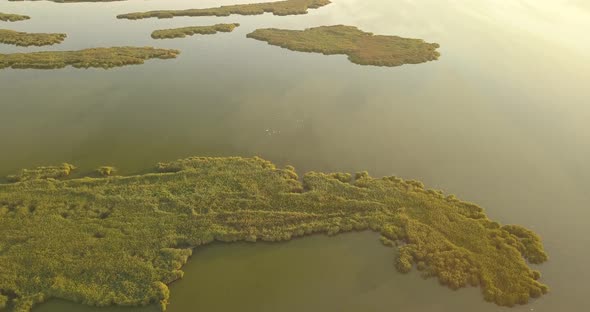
pixel 134 233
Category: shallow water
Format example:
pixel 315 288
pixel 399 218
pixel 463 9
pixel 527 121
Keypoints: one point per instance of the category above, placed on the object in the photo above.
pixel 500 119
pixel 348 273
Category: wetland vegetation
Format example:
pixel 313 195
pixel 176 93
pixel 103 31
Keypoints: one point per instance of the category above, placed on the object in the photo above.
pixel 87 58
pixel 25 39
pixel 361 47
pixel 193 30
pixel 134 233
pixel 5 17
pixel 287 7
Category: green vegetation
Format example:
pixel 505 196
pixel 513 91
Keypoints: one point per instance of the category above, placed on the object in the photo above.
pixel 189 31
pixel 361 47
pixel 287 7
pixel 5 17
pixel 96 57
pixel 24 39
pixel 121 240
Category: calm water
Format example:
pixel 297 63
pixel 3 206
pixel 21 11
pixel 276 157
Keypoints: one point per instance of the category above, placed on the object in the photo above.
pixel 501 119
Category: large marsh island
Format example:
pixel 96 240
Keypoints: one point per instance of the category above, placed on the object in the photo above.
pixel 25 39
pixel 134 233
pixel 361 47
pixel 286 7
pixel 87 58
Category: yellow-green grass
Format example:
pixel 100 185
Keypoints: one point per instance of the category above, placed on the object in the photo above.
pixel 5 17
pixel 361 47
pixel 25 39
pixel 193 30
pixel 287 7
pixel 95 57
pixel 122 239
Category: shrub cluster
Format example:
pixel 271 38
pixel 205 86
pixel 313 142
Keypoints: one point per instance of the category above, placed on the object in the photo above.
pixel 106 171
pixel 51 172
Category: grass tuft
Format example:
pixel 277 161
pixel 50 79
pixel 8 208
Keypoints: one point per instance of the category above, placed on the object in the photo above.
pixel 106 171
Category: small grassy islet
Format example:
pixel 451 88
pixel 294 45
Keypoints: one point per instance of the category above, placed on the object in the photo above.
pixel 87 58
pixel 361 47
pixel 6 17
pixel 25 39
pixel 193 30
pixel 287 7
pixel 122 239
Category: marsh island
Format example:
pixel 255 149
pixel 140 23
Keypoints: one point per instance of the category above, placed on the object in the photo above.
pixel 193 30
pixel 287 7
pixel 5 17
pixel 361 47
pixel 134 233
pixel 87 58
pixel 25 39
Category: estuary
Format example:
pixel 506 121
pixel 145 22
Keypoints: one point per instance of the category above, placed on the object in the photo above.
pixel 500 119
